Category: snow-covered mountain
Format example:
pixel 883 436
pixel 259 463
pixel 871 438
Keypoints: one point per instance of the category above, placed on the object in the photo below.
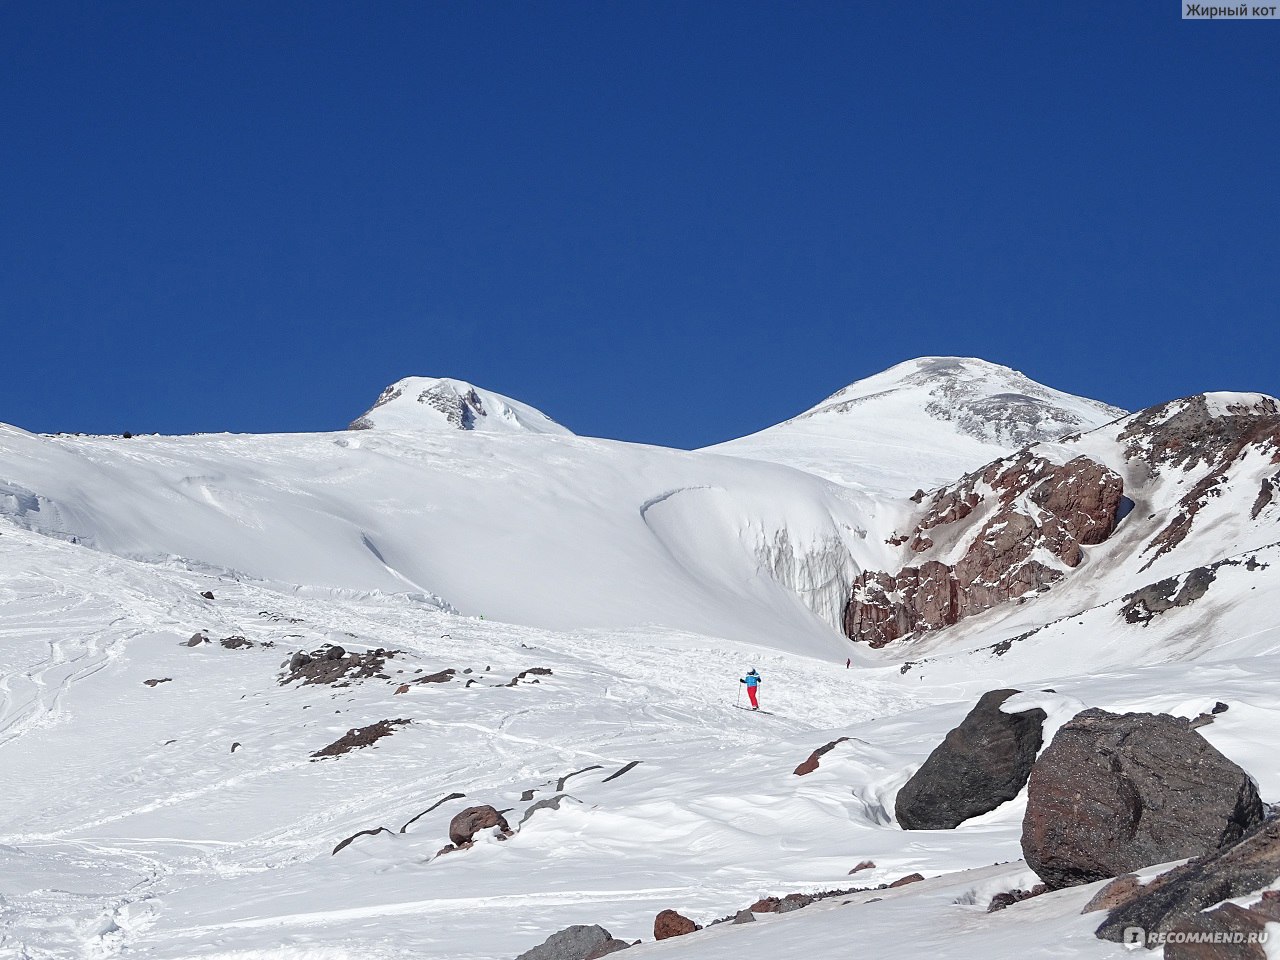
pixel 920 424
pixel 248 681
pixel 437 403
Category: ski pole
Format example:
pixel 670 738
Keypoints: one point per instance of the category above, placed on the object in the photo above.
pixel 738 702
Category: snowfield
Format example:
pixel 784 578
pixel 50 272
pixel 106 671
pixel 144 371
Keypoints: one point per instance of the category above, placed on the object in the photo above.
pixel 598 602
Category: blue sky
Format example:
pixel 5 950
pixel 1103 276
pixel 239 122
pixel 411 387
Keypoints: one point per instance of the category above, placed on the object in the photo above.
pixel 671 222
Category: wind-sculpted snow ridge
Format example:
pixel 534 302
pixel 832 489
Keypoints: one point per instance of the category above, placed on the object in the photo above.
pixel 922 423
pixel 430 403
pixel 1183 483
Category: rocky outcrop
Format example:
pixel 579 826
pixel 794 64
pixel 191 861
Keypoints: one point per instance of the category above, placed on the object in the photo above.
pixel 465 825
pixel 359 737
pixel 1179 895
pixel 1030 520
pixel 982 763
pixel 334 665
pixel 1207 433
pixel 1115 793
pixel 579 942
pixel 670 924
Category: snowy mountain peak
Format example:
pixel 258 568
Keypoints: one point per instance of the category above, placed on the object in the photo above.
pixel 983 400
pixel 440 403
pixel 922 423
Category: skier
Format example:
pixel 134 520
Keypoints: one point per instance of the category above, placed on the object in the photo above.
pixel 752 680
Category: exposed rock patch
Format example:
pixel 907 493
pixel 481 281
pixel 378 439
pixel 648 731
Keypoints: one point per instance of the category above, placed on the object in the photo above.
pixel 442 800
pixel 152 683
pixel 360 737
pixel 1002 900
pixel 332 664
pixel 236 643
pixel 1194 433
pixel 1181 893
pixel 812 763
pixel 1115 793
pixel 982 763
pixel 363 833
pixel 1035 511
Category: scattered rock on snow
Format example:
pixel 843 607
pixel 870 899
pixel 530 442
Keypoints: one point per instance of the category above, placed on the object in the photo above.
pixel 982 763
pixel 909 878
pixel 578 942
pixel 363 833
pixel 442 800
pixel 1114 793
pixel 235 643
pixel 863 865
pixel 359 737
pixel 196 640
pixel 1002 900
pixel 332 664
pixel 152 683
pixel 811 764
pixel 465 825
pixel 668 924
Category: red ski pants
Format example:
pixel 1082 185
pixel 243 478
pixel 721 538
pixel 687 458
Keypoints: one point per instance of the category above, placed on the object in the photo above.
pixel 751 695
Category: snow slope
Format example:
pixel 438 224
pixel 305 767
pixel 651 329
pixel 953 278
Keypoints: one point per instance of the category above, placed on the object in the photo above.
pixel 164 801
pixel 541 529
pixel 921 423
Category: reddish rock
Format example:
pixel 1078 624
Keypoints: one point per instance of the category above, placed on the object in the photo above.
pixel 403 688
pixel 1035 506
pixel 909 878
pixel 811 764
pixel 764 905
pixel 864 865
pixel 1115 793
pixel 669 924
pixel 1119 891
pixel 472 820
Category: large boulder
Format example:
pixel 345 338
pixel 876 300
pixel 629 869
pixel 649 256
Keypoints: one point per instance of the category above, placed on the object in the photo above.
pixel 981 764
pixel 472 820
pixel 670 924
pixel 579 942
pixel 1178 896
pixel 1115 793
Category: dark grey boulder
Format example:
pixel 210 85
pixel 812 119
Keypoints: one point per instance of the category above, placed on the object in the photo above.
pixel 579 942
pixel 1115 793
pixel 981 764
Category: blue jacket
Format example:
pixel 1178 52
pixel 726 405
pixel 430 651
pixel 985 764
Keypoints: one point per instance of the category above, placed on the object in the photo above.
pixel 751 680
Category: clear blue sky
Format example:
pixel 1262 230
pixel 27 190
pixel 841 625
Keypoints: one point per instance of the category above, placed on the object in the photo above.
pixel 673 222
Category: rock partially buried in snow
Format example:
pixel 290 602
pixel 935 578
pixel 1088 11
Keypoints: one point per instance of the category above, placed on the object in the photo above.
pixel 1115 793
pixel 982 763
pixel 465 825
pixel 578 942
pixel 670 924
